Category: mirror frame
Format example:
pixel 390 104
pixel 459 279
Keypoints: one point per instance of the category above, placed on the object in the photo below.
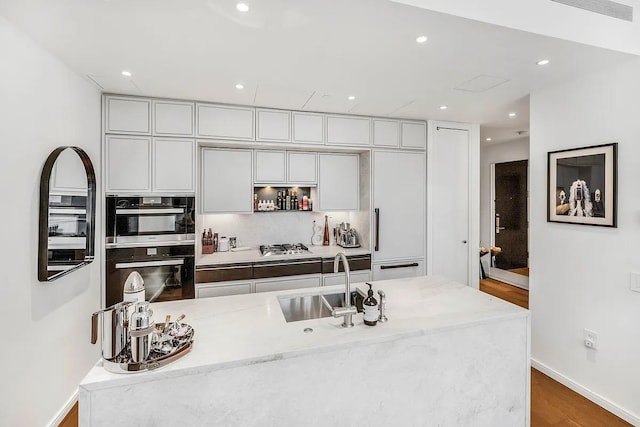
pixel 43 233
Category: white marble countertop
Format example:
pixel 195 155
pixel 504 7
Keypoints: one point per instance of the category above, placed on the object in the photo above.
pixel 253 255
pixel 246 329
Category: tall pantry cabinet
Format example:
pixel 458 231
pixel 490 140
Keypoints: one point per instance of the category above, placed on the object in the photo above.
pixel 399 214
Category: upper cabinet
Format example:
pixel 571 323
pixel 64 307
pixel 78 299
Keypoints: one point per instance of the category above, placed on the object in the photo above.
pixel 386 133
pixel 302 168
pixel 338 182
pixel 224 122
pixel 308 128
pixel 227 183
pixel 285 167
pixel 414 135
pixel 270 167
pixel 128 115
pixel 344 130
pixel 273 125
pixel 172 118
pixel 142 165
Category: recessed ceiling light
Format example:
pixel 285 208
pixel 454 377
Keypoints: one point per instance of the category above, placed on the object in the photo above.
pixel 512 115
pixel 126 73
pixel 421 39
pixel 239 86
pixel 351 97
pixel 543 62
pixel 242 7
pixel 488 139
pixel 443 107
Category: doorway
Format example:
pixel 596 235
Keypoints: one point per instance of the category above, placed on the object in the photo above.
pixel 510 259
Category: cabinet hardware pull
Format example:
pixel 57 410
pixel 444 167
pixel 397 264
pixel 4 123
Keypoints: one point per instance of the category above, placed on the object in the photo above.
pixel 149 211
pixel 387 267
pixel 143 264
pixel 377 247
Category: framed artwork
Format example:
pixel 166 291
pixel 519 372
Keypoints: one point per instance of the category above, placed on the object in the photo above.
pixel 582 185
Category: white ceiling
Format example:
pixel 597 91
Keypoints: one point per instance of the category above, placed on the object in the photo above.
pixel 309 55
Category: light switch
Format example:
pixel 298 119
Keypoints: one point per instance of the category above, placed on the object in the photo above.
pixel 634 282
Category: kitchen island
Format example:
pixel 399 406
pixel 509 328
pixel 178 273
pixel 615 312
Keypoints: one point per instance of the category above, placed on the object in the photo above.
pixel 449 355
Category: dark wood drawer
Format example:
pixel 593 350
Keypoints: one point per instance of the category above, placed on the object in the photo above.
pixel 356 262
pixel 262 270
pixel 224 273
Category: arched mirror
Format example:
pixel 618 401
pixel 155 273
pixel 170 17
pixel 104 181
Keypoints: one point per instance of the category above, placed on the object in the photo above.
pixel 67 213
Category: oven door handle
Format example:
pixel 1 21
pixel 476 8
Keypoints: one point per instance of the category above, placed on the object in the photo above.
pixel 149 211
pixel 142 264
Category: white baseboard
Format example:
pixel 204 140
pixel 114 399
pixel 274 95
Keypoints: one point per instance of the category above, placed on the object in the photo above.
pixel 55 422
pixel 594 397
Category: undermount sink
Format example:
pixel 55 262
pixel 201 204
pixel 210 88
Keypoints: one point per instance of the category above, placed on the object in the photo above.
pixel 307 307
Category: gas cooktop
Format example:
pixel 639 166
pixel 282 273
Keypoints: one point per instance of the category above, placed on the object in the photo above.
pixel 283 249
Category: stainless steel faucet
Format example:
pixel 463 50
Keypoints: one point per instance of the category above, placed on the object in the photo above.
pixel 348 310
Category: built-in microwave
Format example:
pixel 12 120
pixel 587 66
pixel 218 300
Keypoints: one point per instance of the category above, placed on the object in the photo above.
pixel 142 221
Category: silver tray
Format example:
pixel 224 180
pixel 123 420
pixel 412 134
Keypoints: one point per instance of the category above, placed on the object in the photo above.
pixel 166 348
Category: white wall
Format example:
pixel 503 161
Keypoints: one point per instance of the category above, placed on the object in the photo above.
pixel 489 154
pixel 46 326
pixel 547 18
pixel 580 274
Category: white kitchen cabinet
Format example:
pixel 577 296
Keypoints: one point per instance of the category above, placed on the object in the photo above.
pixel 338 182
pixel 286 283
pixel 270 167
pixel 227 181
pixel 68 176
pixel 174 165
pixel 128 115
pixel 173 118
pixel 386 133
pixel 308 128
pixel 414 135
pixel 400 269
pixel 273 125
pixel 359 276
pixel 221 289
pixel 302 167
pixel 218 121
pixel 128 164
pixel 344 130
pixel 399 188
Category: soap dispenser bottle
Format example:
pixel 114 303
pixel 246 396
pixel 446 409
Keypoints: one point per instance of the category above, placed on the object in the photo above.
pixel 370 306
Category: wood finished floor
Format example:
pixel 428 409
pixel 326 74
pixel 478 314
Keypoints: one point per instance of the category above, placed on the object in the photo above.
pixel 552 404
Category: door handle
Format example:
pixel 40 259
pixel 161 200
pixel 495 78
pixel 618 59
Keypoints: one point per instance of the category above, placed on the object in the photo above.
pixel 377 246
pixel 498 229
pixel 143 264
pixel 464 241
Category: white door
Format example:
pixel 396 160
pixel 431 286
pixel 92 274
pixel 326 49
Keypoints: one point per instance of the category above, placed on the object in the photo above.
pixel 449 203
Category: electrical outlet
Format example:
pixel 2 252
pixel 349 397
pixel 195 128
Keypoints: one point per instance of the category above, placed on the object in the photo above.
pixel 590 339
pixel 634 281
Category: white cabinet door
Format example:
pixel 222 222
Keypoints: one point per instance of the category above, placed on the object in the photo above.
pixel 398 269
pixel 68 177
pixel 386 133
pixel 359 276
pixel 128 162
pixel 227 182
pixel 338 182
pixel 273 125
pixel 399 186
pixel 221 289
pixel 343 130
pixel 308 128
pixel 414 135
pixel 286 283
pixel 270 167
pixel 302 168
pixel 128 115
pixel 225 122
pixel 174 165
pixel 172 118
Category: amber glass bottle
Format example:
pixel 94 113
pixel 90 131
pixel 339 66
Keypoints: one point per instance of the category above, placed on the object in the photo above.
pixel 325 238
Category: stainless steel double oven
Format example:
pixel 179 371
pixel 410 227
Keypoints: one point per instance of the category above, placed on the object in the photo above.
pixel 154 236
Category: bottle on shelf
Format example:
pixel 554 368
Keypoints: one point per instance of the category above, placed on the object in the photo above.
pixel 310 202
pixel 260 205
pixel 305 203
pixel 255 202
pixel 279 200
pixel 370 306
pixel 325 237
pixel 295 201
pixel 287 201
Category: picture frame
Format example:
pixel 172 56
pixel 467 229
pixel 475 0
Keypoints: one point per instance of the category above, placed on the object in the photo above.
pixel 582 185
